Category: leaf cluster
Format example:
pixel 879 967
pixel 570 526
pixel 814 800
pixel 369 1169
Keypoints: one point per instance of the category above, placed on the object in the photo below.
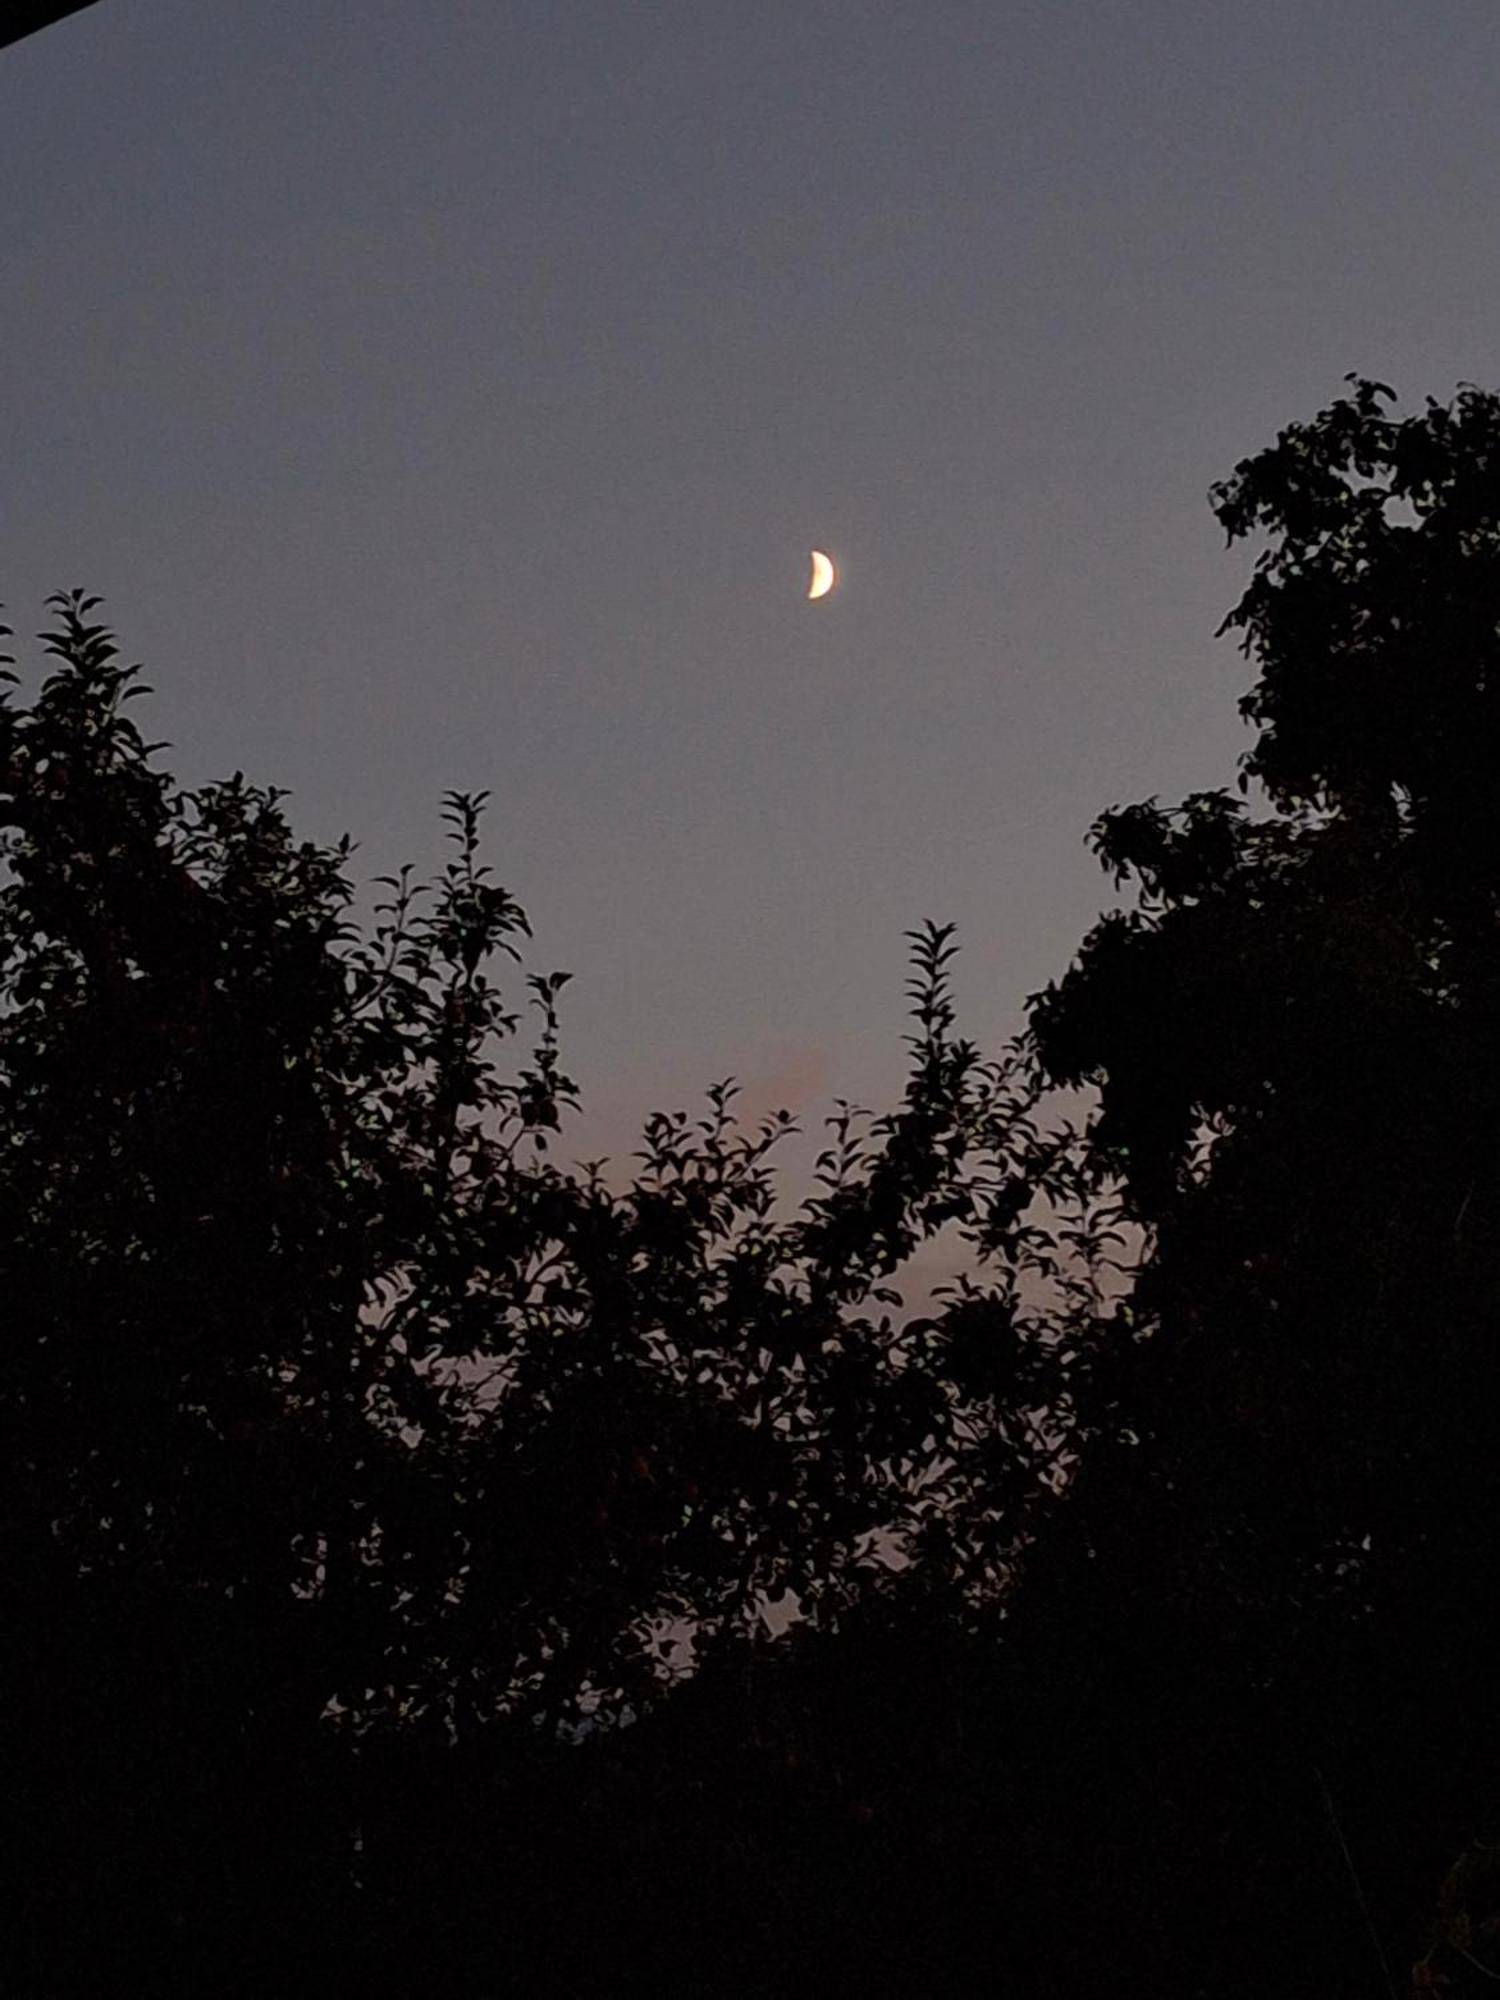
pixel 321 1337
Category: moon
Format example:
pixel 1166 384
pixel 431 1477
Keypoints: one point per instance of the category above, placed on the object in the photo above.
pixel 824 575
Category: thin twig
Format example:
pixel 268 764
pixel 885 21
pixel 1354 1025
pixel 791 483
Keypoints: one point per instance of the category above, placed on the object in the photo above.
pixel 1463 1209
pixel 1478 1964
pixel 1359 1892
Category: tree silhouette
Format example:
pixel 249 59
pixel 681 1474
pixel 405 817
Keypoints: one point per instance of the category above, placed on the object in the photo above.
pixel 1292 1498
pixel 392 1509
pixel 344 1426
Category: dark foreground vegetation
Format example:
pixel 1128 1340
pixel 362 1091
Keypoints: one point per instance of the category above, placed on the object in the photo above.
pixel 391 1512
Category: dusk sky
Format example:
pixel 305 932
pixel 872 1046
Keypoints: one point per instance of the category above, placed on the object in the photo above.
pixel 448 396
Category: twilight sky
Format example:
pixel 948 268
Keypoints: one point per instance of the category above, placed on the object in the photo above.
pixel 448 396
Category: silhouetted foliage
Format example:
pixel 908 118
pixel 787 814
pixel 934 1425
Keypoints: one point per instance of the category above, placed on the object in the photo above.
pixel 1293 1496
pixel 392 1511
pixel 343 1425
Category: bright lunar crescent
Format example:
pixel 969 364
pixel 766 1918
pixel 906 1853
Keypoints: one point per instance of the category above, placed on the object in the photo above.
pixel 822 575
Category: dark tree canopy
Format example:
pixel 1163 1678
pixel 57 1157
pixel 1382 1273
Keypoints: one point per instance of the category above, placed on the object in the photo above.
pixel 1293 1035
pixel 336 1411
pixel 391 1509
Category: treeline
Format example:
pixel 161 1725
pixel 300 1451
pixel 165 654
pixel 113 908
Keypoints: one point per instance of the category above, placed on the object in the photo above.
pixel 392 1509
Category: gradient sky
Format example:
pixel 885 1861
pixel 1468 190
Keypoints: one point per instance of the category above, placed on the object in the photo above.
pixel 448 396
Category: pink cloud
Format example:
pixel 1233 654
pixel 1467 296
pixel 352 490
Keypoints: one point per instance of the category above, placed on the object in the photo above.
pixel 798 1072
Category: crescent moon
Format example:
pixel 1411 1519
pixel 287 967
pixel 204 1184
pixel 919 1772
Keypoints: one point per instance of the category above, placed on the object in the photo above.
pixel 823 575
